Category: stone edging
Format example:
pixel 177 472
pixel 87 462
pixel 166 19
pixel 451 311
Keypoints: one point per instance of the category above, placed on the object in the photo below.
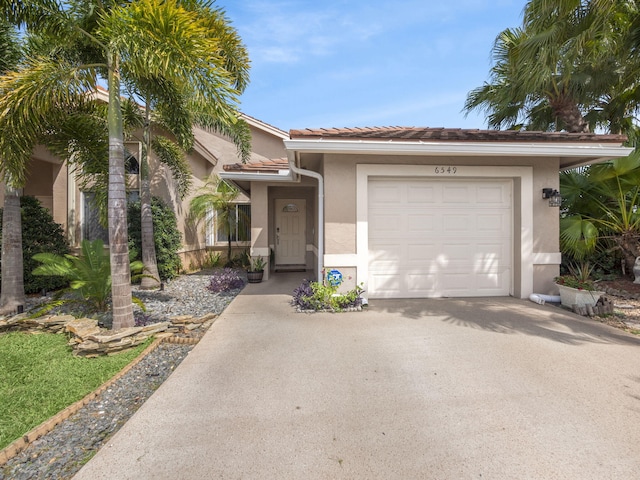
pixel 47 426
pixel 621 293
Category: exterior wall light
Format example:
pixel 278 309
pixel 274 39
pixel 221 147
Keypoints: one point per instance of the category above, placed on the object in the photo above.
pixel 555 200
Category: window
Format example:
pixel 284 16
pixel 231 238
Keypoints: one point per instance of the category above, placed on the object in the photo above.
pixel 91 227
pixel 240 226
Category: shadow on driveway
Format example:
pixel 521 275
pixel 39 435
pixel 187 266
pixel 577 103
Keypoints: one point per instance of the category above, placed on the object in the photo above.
pixel 506 315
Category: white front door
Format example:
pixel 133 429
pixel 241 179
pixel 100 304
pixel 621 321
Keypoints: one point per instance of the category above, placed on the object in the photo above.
pixel 291 237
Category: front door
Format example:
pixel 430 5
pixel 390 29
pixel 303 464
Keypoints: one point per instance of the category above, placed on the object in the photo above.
pixel 291 238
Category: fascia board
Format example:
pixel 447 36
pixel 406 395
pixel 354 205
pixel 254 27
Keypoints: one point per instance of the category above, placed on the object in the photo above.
pixel 467 149
pixel 281 176
pixel 275 131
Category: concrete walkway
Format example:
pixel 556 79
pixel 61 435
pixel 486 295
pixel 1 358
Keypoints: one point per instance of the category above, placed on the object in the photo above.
pixel 419 389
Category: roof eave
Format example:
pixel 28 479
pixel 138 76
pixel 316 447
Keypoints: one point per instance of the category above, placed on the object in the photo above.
pixel 466 149
pixel 281 176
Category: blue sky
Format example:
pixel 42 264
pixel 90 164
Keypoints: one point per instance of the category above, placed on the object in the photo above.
pixel 367 63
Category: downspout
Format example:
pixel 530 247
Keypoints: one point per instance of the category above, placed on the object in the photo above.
pixel 308 173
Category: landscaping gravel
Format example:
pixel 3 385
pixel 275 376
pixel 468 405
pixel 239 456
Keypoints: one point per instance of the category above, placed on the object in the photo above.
pixel 62 452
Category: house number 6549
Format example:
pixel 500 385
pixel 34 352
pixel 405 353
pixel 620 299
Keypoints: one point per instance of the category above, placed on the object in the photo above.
pixel 447 170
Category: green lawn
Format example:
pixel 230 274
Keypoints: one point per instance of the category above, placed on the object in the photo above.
pixel 39 377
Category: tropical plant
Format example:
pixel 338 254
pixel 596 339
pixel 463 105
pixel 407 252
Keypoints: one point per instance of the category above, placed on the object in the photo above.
pixel 579 277
pixel 567 67
pixel 257 264
pixel 601 203
pixel 89 276
pixel 164 39
pixel 40 233
pixel 217 196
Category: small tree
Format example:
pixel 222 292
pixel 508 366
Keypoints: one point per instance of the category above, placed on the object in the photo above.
pixel 217 196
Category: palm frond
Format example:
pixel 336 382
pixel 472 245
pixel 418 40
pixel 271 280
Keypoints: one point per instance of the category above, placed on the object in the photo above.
pixel 170 154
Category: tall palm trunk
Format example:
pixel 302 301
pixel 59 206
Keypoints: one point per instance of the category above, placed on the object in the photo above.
pixel 566 109
pixel 152 276
pixel 12 267
pixel 117 207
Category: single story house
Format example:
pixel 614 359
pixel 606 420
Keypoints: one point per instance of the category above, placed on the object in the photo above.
pixel 418 212
pixel 57 187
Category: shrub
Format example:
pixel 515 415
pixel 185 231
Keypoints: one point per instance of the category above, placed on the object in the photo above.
pixel 39 234
pixel 89 276
pixel 166 237
pixel 316 296
pixel 225 280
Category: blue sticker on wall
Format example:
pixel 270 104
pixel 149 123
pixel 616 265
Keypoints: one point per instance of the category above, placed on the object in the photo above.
pixel 334 278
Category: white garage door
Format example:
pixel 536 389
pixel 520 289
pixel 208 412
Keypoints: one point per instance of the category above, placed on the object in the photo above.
pixel 439 237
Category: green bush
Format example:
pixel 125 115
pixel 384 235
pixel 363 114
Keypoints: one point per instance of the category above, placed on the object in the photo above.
pixel 166 236
pixel 317 296
pixel 40 234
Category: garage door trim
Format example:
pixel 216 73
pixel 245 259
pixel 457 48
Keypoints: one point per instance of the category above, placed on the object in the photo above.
pixel 523 219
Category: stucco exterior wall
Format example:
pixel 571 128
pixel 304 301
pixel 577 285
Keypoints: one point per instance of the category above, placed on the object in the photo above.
pixel 59 191
pixel 340 173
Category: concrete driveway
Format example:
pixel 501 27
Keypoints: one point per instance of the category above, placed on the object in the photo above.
pixel 419 389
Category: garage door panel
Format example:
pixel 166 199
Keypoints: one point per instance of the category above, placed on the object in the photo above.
pixel 421 252
pixel 387 223
pixel 495 224
pixel 461 224
pixel 422 283
pixel 385 195
pixel 421 223
pixel 456 195
pixel 387 284
pixel 421 194
pixel 444 238
pixel 491 195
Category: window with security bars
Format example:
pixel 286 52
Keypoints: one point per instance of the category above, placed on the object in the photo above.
pixel 240 226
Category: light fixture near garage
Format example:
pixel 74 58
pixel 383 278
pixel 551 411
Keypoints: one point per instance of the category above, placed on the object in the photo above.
pixel 553 195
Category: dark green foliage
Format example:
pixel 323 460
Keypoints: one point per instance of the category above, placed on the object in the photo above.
pixel 166 236
pixel 39 234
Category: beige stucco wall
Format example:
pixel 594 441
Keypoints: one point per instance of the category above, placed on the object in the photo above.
pixel 49 181
pixel 340 206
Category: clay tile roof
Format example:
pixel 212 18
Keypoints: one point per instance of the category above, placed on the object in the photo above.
pixel 449 134
pixel 264 166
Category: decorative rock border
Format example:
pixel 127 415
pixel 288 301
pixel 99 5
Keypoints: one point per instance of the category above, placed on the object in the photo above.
pixel 621 293
pixel 45 427
pixel 89 340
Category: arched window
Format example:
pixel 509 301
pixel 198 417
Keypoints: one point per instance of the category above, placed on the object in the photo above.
pixel 131 165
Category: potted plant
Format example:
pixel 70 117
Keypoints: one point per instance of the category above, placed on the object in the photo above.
pixel 256 270
pixel 578 288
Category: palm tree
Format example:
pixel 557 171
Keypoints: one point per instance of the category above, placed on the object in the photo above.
pixel 565 68
pixel 12 271
pixel 601 202
pixel 165 98
pixel 161 39
pixel 217 196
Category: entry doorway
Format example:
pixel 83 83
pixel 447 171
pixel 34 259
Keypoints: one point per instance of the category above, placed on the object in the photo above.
pixel 290 232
